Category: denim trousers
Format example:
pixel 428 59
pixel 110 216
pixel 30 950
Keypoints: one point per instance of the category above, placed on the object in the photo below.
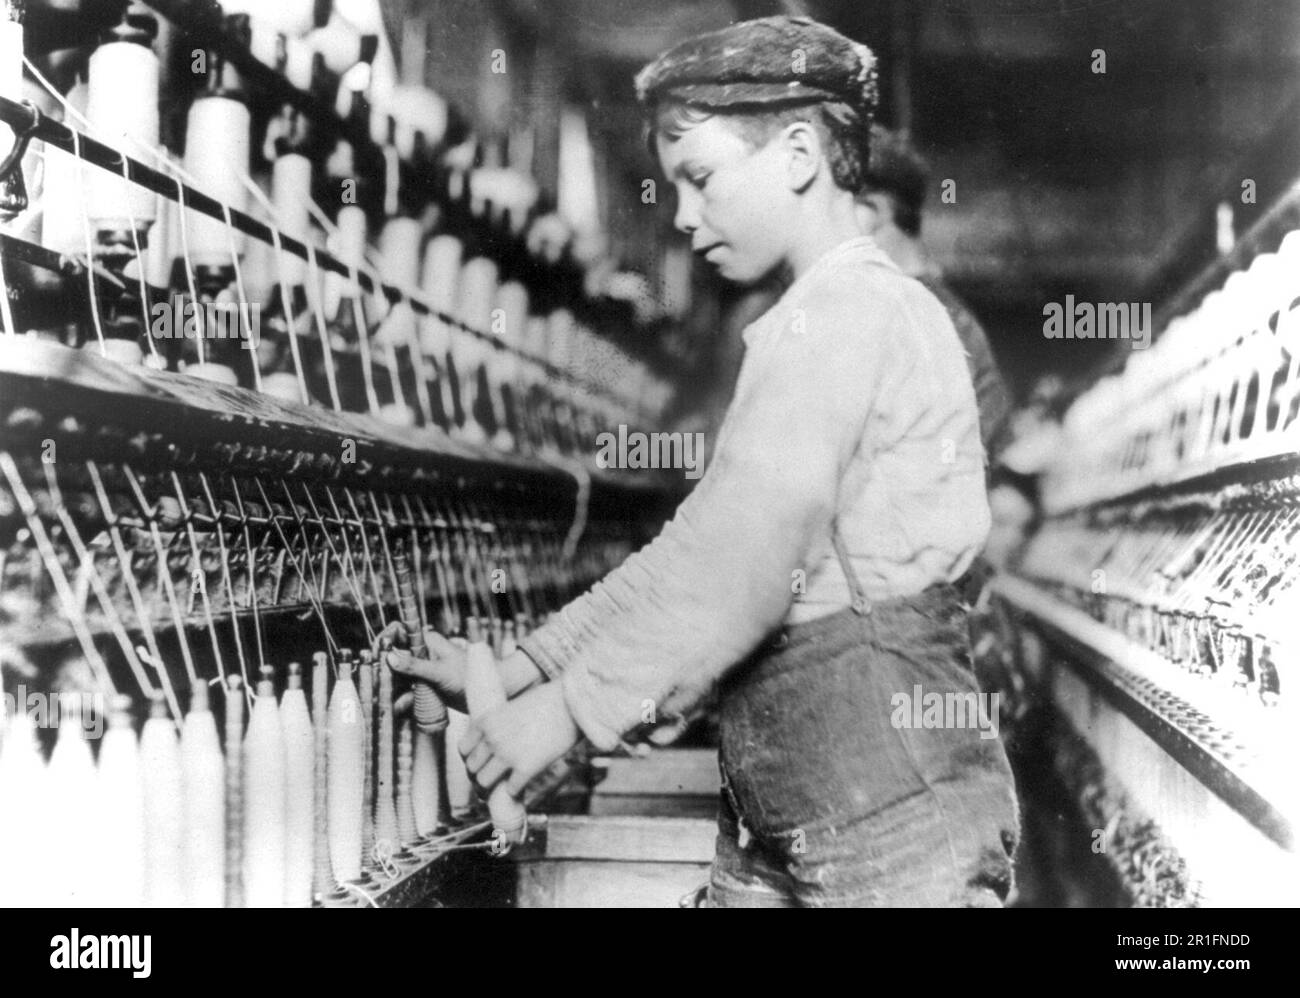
pixel 832 797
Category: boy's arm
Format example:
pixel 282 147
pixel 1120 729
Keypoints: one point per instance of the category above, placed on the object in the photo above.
pixel 719 577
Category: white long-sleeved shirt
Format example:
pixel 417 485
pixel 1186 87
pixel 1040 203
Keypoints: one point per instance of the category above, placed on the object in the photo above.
pixel 854 409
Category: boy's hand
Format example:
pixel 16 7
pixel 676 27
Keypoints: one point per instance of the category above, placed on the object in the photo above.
pixel 444 669
pixel 519 739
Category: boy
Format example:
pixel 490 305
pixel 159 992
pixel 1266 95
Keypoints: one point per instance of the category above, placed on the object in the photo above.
pixel 810 570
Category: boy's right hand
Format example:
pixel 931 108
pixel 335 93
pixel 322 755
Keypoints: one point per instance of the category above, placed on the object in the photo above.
pixel 444 669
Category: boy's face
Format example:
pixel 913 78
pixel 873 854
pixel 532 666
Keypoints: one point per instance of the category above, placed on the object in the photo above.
pixel 733 200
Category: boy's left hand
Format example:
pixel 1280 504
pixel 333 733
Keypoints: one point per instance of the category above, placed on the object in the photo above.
pixel 519 739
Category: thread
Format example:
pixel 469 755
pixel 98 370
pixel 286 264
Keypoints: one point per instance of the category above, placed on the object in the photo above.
pixel 203 773
pixel 346 760
pixel 119 815
pixel 300 774
pixel 160 761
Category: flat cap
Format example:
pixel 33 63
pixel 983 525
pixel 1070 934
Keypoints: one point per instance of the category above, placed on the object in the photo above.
pixel 769 61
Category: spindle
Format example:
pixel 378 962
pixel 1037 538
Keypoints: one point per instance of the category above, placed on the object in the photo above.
pixel 265 799
pixel 299 739
pixel 346 763
pixel 120 823
pixel 203 779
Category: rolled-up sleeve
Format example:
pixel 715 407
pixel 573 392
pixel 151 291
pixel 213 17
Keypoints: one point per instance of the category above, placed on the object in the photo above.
pixel 718 578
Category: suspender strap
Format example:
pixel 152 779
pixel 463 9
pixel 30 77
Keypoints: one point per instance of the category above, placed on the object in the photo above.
pixel 861 605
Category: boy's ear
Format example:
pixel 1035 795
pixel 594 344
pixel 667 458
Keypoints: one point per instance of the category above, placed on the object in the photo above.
pixel 804 154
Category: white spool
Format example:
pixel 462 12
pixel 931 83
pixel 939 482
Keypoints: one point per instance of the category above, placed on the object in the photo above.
pixel 11 70
pixel 258 266
pixel 24 831
pixel 399 247
pixel 160 765
pixel 283 386
pixel 424 782
pixel 290 189
pixel 348 244
pixel 365 16
pixel 339 46
pixel 128 353
pixel 264 802
pixel 383 80
pixel 345 772
pixel 203 771
pixel 438 280
pixel 71 776
pixel 512 301
pixel 559 346
pixel 460 789
pixel 163 245
pixel 535 346
pixel 395 414
pixel 123 109
pixel 416 110
pixel 290 17
pixel 219 374
pixel 477 291
pixel 300 778
pixel 217 140
pixel 119 815
pixel 269 22
pixel 63 225
pixel 441 271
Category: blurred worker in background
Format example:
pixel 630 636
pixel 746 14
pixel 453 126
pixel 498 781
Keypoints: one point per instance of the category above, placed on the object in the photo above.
pixel 889 210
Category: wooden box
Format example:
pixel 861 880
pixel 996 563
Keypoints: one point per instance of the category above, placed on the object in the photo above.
pixel 583 861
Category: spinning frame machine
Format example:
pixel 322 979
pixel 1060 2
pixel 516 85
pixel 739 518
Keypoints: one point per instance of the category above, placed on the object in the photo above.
pixel 1156 606
pixel 211 540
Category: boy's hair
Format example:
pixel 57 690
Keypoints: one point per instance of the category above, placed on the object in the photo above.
pixel 844 135
pixel 764 75
pixel 897 170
